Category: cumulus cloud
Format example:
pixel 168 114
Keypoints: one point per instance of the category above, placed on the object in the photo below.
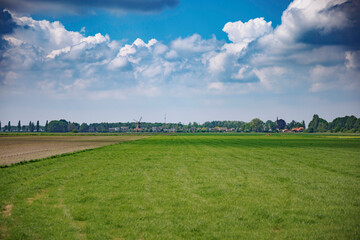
pixel 256 57
pixel 239 32
pixel 194 43
pixel 78 6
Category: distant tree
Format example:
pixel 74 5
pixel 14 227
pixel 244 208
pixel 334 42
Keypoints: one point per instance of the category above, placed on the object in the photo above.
pixel 317 124
pixel 37 126
pixel 58 126
pixel 322 127
pixel 270 126
pixel 356 125
pixel 19 126
pixel 280 124
pixel 291 124
pixel 71 127
pixel 9 126
pixel 84 127
pixel 0 125
pixel 350 122
pixel 31 126
pixel 23 128
pixel 247 127
pixel 314 123
pixel 294 124
pixel 256 125
pixel 46 126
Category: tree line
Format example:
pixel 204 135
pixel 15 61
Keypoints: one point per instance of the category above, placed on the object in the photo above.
pixel 348 124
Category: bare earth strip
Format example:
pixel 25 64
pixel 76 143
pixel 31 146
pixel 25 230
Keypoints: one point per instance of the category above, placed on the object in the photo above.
pixel 15 149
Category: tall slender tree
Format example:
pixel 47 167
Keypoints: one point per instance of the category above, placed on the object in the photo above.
pixel 37 126
pixel 9 126
pixel 46 126
pixel 0 125
pixel 31 126
pixel 19 126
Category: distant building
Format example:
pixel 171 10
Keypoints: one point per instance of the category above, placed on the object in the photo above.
pixel 300 129
pixel 124 129
pixel 116 129
pixel 286 131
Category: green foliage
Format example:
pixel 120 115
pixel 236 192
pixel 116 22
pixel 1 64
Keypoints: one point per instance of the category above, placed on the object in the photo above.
pixel 190 187
pixel 294 124
pixel 256 125
pixel 318 124
pixel 280 124
pixel 84 127
pixel 38 126
pixel 58 126
pixel 31 126
pixel 349 124
pixel 46 126
pixel 19 126
pixel 71 127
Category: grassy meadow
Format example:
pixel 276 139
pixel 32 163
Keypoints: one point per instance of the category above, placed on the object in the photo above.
pixel 189 187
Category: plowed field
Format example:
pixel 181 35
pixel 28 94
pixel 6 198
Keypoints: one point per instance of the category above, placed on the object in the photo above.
pixel 21 148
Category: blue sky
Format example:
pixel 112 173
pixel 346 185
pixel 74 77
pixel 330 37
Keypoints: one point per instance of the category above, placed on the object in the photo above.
pixel 204 17
pixel 112 61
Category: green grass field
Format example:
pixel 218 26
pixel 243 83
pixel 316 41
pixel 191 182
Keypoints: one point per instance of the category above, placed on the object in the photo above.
pixel 189 187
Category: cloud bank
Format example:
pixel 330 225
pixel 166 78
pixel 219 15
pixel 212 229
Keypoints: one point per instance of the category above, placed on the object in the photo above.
pixel 315 49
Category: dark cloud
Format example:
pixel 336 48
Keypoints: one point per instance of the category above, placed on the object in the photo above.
pixel 78 6
pixel 6 26
pixel 6 23
pixel 349 35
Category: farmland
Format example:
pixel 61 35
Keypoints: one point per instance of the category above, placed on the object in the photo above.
pixel 189 187
pixel 26 147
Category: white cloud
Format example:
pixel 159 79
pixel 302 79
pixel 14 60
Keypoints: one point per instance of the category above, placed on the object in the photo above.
pixel 239 32
pixel 325 78
pixel 195 44
pixel 219 86
pixel 172 54
pixel 78 84
pixel 258 58
pixel 46 85
pixel 269 77
pixel 58 52
pixel 217 63
pixel 352 59
pixel 118 62
pixel 13 41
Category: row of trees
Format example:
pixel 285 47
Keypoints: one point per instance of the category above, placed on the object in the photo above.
pixel 342 124
pixel 349 124
pixel 256 125
pixel 31 127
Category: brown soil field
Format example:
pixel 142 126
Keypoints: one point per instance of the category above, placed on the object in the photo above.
pixel 15 149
